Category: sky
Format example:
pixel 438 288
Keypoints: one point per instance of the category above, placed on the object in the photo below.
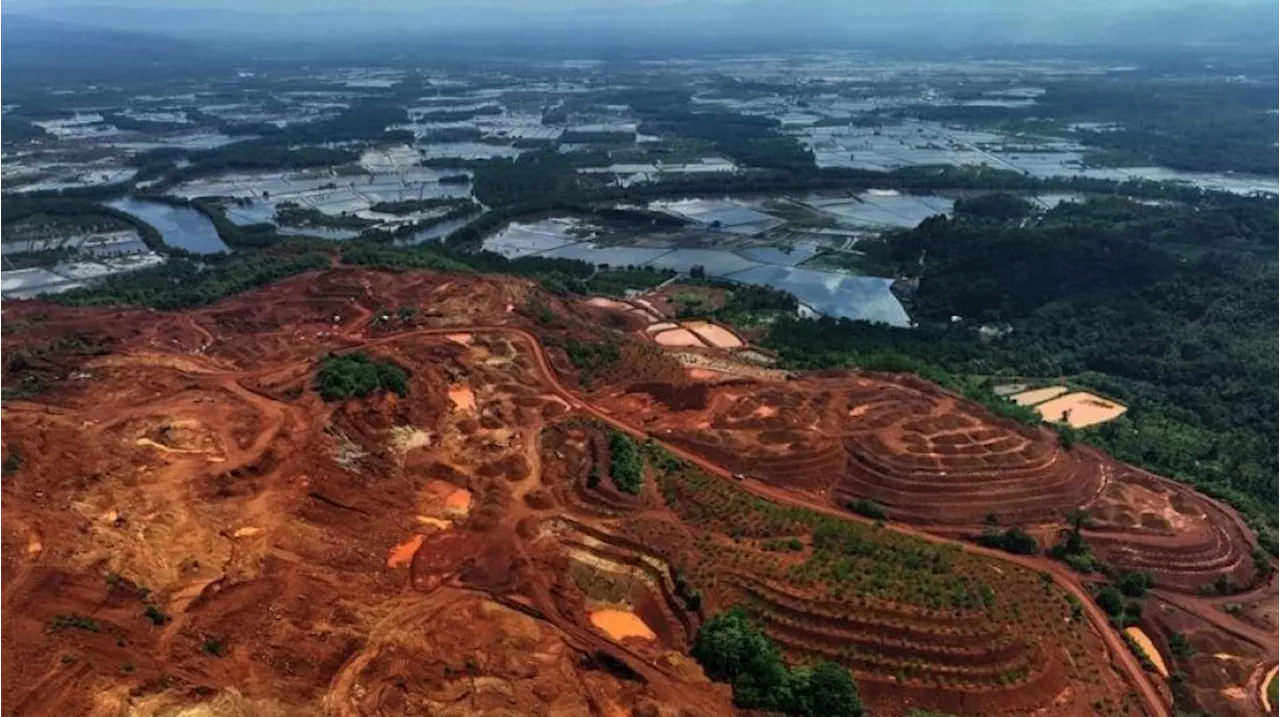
pixel 947 21
pixel 258 6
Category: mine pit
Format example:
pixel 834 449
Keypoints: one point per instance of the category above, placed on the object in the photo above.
pixel 410 473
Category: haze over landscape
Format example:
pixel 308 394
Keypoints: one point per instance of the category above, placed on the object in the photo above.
pixel 805 358
pixel 954 22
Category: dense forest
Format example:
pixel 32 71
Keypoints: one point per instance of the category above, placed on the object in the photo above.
pixel 1202 125
pixel 184 282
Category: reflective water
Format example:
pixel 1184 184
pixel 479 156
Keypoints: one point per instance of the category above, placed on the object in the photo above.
pixel 827 292
pixel 832 293
pixel 180 227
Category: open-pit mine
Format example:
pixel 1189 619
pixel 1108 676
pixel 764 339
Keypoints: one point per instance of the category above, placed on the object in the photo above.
pixel 190 529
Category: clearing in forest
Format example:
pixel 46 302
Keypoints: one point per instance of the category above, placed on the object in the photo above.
pixel 1038 395
pixel 1080 409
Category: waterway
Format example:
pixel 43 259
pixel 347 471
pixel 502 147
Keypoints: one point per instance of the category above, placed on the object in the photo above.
pixel 180 227
pixel 825 292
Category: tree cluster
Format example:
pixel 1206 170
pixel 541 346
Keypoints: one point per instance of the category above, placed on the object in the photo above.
pixel 626 465
pixel 1011 540
pixel 732 649
pixel 355 375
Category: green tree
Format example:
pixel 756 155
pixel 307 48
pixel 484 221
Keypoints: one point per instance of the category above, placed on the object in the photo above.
pixel 1180 646
pixel 1111 600
pixel 824 689
pixel 731 649
pixel 870 509
pixel 1012 540
pixel 1134 583
pixel 12 462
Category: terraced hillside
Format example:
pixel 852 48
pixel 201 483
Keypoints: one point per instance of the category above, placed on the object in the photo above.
pixel 187 521
pixel 925 454
pixel 1184 540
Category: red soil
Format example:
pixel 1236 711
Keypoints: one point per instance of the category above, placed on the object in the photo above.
pixel 261 520
pixel 1183 539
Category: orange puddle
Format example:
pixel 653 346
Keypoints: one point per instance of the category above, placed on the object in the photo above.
pixel 765 411
pixel 660 326
pixel 458 502
pixel 442 504
pixel 464 339
pixel 463 398
pixel 620 624
pixel 719 336
pixel 403 553
pixel 1085 409
pixel 677 337
pixel 246 532
pixel 1038 395
pixel 1145 643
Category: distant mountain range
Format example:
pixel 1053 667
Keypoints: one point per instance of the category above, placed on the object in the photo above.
pixel 933 21
pixel 35 43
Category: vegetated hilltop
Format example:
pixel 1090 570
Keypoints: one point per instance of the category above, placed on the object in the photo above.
pixel 185 513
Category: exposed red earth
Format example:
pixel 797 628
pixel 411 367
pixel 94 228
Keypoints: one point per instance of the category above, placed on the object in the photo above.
pixel 188 523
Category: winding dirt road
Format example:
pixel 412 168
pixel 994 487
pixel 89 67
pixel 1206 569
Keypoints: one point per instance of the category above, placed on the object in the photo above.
pixel 1122 658
pixel 1153 703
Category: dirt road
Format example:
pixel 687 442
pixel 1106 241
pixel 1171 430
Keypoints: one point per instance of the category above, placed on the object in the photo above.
pixel 1153 703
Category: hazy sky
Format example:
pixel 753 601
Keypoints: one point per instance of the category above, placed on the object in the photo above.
pixel 949 21
pixel 533 5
